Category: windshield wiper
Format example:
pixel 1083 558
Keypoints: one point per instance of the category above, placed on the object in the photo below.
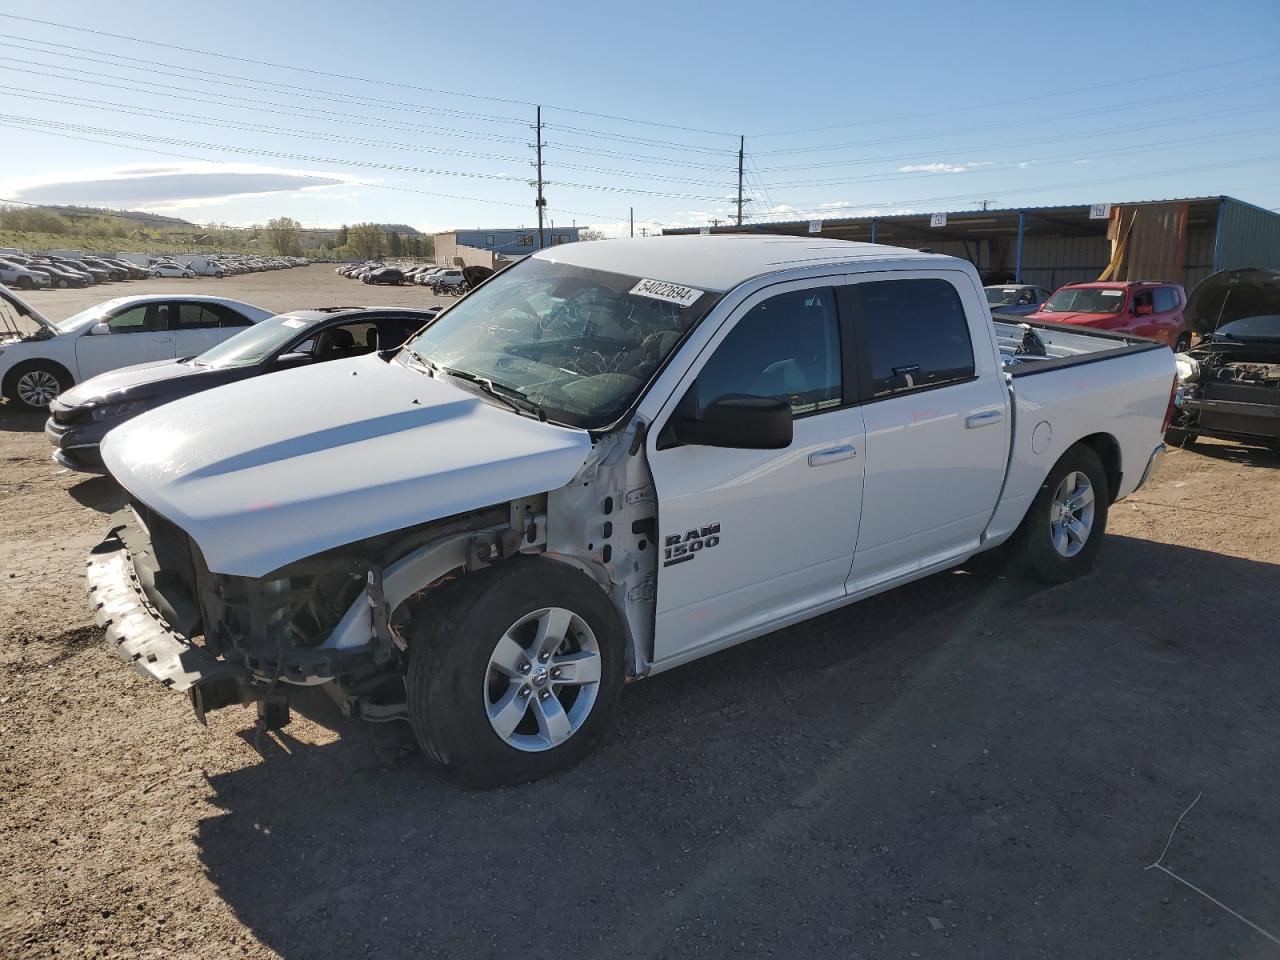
pixel 511 397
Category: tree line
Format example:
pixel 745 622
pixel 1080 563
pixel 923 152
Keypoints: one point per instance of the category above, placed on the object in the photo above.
pixel 361 241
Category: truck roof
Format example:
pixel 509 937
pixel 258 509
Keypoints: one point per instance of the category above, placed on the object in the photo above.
pixel 719 262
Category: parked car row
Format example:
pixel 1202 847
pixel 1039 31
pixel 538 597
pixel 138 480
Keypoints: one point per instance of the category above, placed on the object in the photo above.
pixel 489 530
pixel 1143 308
pixel 443 281
pixel 42 272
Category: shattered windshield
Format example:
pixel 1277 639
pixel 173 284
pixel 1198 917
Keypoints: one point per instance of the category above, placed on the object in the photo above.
pixel 580 344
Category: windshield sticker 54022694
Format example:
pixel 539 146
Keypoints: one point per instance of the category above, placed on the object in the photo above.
pixel 679 547
pixel 670 292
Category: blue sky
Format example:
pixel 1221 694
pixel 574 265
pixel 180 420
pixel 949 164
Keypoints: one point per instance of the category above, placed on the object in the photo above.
pixel 846 108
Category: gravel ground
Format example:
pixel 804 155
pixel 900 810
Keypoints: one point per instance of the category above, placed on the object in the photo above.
pixel 964 767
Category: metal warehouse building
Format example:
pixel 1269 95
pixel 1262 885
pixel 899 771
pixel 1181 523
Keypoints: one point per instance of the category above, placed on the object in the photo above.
pixel 1176 240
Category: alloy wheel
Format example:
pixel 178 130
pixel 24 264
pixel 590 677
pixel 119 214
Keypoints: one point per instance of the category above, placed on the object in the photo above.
pixel 1071 514
pixel 543 679
pixel 37 388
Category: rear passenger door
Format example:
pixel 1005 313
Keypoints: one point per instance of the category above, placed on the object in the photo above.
pixel 935 410
pixel 197 329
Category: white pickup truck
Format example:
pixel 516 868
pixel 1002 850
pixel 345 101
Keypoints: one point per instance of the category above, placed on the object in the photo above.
pixel 606 461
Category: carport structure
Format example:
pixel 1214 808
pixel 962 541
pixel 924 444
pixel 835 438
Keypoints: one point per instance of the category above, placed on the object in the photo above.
pixel 1182 241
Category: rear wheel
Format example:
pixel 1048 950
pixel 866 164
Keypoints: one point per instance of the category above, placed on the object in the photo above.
pixel 32 385
pixel 1179 437
pixel 1063 529
pixel 515 673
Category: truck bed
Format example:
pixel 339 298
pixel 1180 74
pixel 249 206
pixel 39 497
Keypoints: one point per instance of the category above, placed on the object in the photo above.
pixel 1057 399
pixel 1064 344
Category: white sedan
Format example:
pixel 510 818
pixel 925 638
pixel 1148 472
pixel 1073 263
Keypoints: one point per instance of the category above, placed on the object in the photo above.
pixel 39 359
pixel 171 270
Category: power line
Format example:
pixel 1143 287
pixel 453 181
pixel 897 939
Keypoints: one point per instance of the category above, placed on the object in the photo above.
pixel 1035 141
pixel 156 113
pixel 342 76
pixel 1004 125
pixel 373 165
pixel 1013 165
pixel 1004 103
pixel 798 212
pixel 188 94
pixel 326 180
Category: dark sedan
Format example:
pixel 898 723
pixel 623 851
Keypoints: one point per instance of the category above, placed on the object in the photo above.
pixel 60 276
pixel 387 275
pixel 83 415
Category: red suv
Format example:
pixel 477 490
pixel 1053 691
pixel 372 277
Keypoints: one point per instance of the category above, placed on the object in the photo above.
pixel 1143 308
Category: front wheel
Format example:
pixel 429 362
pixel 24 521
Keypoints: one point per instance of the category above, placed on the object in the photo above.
pixel 32 385
pixel 156 274
pixel 25 283
pixel 514 674
pixel 1063 529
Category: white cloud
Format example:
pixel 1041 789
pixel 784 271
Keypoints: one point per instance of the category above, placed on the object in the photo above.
pixel 171 186
pixel 933 168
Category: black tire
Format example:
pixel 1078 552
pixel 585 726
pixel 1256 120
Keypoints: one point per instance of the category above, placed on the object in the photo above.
pixel 1179 437
pixel 62 284
pixel 1033 549
pixel 25 283
pixel 453 639
pixel 13 382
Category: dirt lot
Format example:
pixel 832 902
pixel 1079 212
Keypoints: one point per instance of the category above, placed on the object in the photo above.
pixel 964 767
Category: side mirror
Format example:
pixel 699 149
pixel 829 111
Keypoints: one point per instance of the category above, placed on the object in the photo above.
pixel 738 421
pixel 1144 310
pixel 99 330
pixel 288 360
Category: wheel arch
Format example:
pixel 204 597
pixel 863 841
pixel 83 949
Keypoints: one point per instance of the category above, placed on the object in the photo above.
pixel 1107 447
pixel 15 371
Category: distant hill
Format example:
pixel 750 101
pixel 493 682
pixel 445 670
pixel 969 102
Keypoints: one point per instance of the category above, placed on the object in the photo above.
pixel 145 219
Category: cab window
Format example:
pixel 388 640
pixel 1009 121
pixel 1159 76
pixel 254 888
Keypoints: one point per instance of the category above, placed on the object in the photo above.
pixel 786 348
pixel 1166 299
pixel 914 335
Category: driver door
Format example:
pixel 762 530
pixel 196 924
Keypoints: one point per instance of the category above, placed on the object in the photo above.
pixel 748 537
pixel 136 335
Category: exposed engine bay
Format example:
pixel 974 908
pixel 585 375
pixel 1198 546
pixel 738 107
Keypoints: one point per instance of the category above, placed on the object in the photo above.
pixel 1265 374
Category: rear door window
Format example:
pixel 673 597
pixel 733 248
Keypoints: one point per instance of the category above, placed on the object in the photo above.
pixel 914 335
pixel 196 316
pixel 1166 299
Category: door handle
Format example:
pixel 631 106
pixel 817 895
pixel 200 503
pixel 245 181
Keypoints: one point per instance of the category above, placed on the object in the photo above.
pixel 834 455
pixel 164 339
pixel 975 420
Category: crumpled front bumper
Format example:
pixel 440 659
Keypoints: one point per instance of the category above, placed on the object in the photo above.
pixel 141 636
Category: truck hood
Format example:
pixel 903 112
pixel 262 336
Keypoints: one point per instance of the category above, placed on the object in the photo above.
pixel 137 382
pixel 267 471
pixel 1232 295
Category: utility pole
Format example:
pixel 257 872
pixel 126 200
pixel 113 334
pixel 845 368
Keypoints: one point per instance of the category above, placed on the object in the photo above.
pixel 633 221
pixel 716 221
pixel 541 201
pixel 742 141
